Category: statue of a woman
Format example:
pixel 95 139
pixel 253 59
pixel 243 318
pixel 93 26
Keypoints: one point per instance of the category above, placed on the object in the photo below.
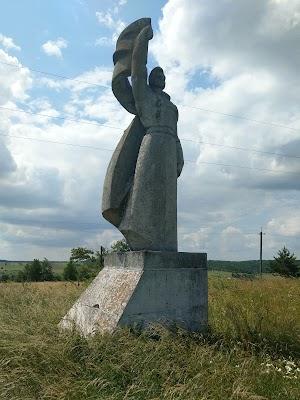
pixel 140 188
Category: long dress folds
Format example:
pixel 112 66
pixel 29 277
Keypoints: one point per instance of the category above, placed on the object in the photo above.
pixel 140 189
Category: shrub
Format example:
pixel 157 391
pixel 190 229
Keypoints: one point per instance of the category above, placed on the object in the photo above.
pixel 47 270
pixel 285 263
pixel 70 272
pixel 33 271
pixel 120 246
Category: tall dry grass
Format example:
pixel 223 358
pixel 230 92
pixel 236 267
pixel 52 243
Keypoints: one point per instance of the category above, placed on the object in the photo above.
pixel 251 351
pixel 262 313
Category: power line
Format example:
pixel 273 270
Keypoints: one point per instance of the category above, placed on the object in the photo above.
pixel 242 117
pixel 114 127
pixel 110 150
pixel 92 225
pixel 180 105
pixel 241 148
pixel 60 118
pixel 282 235
pixel 55 75
pixel 56 142
pixel 242 167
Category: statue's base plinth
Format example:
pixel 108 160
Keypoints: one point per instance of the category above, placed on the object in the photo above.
pixel 138 288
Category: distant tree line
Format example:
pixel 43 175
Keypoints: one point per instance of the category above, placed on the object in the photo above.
pixel 35 271
pixel 245 267
pixel 85 264
pixel 284 264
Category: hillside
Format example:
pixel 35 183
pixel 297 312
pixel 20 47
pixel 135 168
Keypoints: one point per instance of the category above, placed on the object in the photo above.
pixel 249 266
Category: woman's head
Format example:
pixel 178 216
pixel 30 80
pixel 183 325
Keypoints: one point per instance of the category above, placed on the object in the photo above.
pixel 157 78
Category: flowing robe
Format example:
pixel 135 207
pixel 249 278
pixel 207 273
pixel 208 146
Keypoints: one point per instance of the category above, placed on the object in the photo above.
pixel 150 216
pixel 140 187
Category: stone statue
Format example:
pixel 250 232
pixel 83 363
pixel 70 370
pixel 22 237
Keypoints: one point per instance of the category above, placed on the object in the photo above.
pixel 153 283
pixel 140 187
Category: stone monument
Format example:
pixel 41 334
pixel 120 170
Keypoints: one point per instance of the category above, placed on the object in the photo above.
pixel 153 283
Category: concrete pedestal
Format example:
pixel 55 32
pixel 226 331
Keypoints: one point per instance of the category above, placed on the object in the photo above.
pixel 138 288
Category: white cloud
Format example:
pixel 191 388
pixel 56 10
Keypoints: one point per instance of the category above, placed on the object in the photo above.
pixel 224 56
pixel 50 185
pixel 110 20
pixel 118 5
pixel 106 19
pixel 8 43
pixel 238 59
pixel 285 225
pixel 230 38
pixel 104 41
pixel 96 79
pixel 7 163
pixel 54 47
pixel 14 82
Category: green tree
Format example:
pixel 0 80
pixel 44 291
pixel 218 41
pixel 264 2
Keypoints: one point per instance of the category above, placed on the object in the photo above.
pixel 120 246
pixel 33 271
pixel 47 270
pixel 85 272
pixel 4 276
pixel 87 262
pixel 70 271
pixel 21 276
pixel 285 263
pixel 82 255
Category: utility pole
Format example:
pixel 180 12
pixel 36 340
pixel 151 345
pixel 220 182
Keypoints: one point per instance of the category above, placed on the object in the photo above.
pixel 101 256
pixel 260 251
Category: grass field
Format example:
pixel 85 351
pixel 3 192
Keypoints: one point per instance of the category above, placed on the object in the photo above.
pixel 15 266
pixel 250 352
pixel 250 266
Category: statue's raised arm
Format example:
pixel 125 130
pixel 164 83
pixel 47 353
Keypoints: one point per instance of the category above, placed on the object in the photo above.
pixel 139 73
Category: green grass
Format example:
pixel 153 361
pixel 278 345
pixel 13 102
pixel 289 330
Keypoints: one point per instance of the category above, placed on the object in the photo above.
pixel 12 266
pixel 251 350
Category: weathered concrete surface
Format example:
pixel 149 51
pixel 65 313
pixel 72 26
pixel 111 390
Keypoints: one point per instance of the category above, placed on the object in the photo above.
pixel 140 187
pixel 102 304
pixel 144 287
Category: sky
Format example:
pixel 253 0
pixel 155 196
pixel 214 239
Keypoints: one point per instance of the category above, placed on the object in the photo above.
pixel 232 69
